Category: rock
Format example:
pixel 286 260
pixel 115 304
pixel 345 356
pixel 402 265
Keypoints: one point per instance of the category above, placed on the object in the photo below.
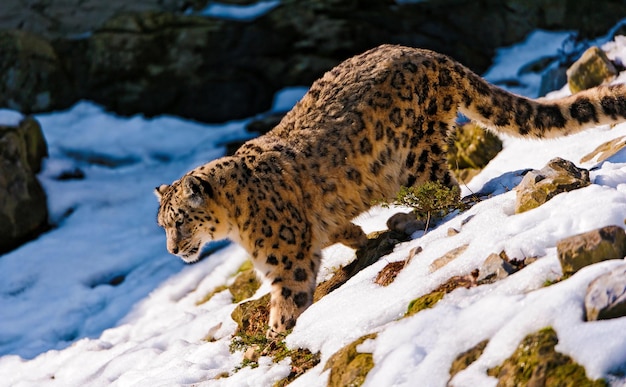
pixel 605 150
pixel 252 316
pixel 348 367
pixel 495 268
pixel 592 69
pixel 606 296
pixel 245 285
pixel 537 187
pixel 23 209
pixel 536 363
pixel 185 65
pixel 389 273
pixel 378 245
pixel 426 301
pixel 472 148
pixel 466 358
pixel 406 223
pixel 149 57
pixel 431 299
pixel 447 258
pixel 591 247
pixel 71 19
pixel 32 77
pixel 453 231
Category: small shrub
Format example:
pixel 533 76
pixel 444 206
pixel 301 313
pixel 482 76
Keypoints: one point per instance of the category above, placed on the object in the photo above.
pixel 429 200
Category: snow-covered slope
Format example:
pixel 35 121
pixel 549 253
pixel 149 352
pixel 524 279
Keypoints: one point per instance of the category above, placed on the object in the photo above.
pixel 99 301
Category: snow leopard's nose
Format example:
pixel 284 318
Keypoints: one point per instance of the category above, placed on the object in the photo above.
pixel 174 249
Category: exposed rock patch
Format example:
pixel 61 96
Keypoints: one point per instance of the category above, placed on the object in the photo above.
pixel 348 367
pixel 536 363
pixel 471 150
pixel 245 285
pixel 379 244
pixel 592 69
pixel 466 358
pixel 23 208
pixel 150 57
pixel 539 186
pixel 606 150
pixel 32 78
pixel 447 257
pixel 591 247
pixel 606 296
pixel 431 299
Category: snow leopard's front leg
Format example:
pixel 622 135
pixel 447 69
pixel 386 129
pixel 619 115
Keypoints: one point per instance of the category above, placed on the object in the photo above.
pixel 293 283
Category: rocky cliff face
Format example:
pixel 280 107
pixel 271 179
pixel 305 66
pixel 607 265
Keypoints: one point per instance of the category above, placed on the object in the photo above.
pixel 151 57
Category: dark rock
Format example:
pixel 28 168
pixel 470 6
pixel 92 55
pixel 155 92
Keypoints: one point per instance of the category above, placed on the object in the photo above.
pixel 71 19
pixel 537 187
pixel 592 69
pixel 148 57
pixel 591 247
pixel 23 209
pixel 194 67
pixel 406 223
pixel 606 296
pixel 32 76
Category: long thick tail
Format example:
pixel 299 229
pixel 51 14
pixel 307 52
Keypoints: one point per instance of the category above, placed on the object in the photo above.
pixel 501 111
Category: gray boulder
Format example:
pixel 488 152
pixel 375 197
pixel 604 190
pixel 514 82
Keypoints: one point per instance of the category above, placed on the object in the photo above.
pixel 606 296
pixel 591 247
pixel 23 209
pixel 539 186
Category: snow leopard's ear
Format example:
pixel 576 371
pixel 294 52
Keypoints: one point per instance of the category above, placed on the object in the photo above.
pixel 160 191
pixel 196 190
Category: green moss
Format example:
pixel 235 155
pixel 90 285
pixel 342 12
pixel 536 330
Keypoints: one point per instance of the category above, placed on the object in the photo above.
pixel 250 338
pixel 424 302
pixel 210 295
pixel 535 362
pixel 244 286
pixel 348 367
pixel 468 357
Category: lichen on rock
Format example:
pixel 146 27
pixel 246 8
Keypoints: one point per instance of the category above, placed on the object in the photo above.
pixel 535 362
pixel 592 69
pixel 348 366
pixel 591 247
pixel 471 150
pixel 539 186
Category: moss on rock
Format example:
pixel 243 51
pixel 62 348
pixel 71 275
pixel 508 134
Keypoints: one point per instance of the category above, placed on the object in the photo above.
pixel 424 302
pixel 348 367
pixel 466 358
pixel 536 363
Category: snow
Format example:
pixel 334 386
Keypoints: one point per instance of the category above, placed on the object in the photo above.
pixel 247 12
pixel 10 117
pixel 97 300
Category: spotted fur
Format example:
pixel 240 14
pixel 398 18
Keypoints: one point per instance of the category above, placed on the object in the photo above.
pixel 374 123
